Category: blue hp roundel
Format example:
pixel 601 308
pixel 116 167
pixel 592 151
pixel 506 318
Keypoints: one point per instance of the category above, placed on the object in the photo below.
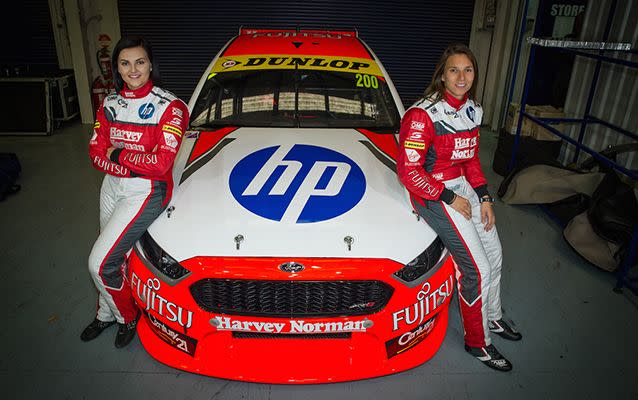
pixel 146 110
pixel 298 184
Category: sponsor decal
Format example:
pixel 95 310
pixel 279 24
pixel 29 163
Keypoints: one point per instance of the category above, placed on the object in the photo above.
pixel 148 294
pixel 172 129
pixel 469 146
pixel 413 145
pixel 133 146
pixel 438 176
pixel 433 110
pixel 146 111
pixel 451 113
pixel 273 61
pixel 96 125
pixel 297 183
pixel 427 303
pixel 330 35
pixel 413 155
pixel 170 140
pixel 121 134
pixel 177 112
pixel 177 121
pixel 138 159
pixel 409 339
pixel 422 183
pixel 415 135
pixel 417 125
pixel 470 113
pixel 109 166
pixel 176 339
pixel 290 326
pixel 230 63
pixel 122 103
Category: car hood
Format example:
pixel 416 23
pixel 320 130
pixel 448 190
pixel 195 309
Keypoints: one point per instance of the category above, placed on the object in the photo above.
pixel 289 192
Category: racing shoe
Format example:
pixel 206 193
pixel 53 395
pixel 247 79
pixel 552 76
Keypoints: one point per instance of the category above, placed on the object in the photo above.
pixel 504 330
pixel 126 332
pixel 94 329
pixel 490 357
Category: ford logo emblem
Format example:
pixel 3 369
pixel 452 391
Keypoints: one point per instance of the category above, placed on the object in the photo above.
pixel 291 267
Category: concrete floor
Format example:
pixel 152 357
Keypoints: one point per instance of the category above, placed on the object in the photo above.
pixel 579 336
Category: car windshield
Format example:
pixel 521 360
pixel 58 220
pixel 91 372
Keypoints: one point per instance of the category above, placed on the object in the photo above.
pixel 295 98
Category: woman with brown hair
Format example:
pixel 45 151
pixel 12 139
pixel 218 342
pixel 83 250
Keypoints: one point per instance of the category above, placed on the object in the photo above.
pixel 438 162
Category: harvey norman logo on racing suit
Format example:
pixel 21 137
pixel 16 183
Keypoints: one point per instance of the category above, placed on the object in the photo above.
pixel 269 61
pixel 291 326
pixel 464 148
pixel 297 183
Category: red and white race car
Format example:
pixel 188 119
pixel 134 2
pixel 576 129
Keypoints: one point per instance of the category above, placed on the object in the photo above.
pixel 290 252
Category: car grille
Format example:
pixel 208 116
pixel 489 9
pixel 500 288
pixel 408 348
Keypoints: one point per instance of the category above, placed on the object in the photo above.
pixel 290 299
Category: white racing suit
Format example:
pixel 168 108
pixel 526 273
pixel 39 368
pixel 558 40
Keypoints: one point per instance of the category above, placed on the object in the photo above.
pixel 145 126
pixel 438 157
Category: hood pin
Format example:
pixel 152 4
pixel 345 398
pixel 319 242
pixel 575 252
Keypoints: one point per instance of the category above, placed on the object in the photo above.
pixel 349 240
pixel 238 240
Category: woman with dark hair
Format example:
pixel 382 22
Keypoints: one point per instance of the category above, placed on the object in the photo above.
pixel 136 136
pixel 438 163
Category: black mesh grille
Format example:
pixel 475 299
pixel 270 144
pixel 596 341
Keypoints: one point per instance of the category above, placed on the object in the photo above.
pixel 290 298
pixel 254 335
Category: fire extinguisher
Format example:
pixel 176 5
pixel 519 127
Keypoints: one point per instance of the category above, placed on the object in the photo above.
pixel 102 85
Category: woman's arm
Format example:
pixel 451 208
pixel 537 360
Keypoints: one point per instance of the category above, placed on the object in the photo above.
pixel 169 131
pixel 100 144
pixel 415 138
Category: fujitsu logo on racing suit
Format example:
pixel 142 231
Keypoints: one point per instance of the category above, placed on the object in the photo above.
pixel 426 303
pixel 147 292
pixel 292 326
pixel 463 143
pixel 109 166
pixel 420 182
pixel 122 134
pixel 142 158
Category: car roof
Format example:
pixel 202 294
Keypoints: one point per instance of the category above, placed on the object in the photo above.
pixel 297 42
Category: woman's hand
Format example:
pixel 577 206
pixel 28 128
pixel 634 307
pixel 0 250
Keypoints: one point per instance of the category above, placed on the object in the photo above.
pixel 487 215
pixel 462 205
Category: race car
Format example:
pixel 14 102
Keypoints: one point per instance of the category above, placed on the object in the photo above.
pixel 290 252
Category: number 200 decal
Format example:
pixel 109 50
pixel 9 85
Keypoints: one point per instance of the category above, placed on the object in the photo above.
pixel 367 81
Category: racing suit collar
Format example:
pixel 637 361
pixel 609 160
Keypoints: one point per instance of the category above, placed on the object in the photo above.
pixel 137 93
pixel 453 101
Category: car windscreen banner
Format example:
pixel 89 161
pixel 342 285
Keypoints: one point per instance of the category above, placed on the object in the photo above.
pixel 274 61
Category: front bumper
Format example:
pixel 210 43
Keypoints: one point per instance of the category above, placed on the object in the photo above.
pixel 404 334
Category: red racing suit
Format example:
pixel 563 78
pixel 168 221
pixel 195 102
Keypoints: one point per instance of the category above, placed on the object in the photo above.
pixel 438 158
pixel 145 126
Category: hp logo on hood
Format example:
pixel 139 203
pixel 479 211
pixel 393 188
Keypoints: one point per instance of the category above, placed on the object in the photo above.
pixel 297 184
pixel 291 266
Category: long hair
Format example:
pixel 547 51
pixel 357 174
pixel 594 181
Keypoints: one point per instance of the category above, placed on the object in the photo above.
pixel 126 43
pixel 436 89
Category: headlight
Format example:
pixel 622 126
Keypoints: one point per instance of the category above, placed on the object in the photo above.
pixel 160 259
pixel 423 263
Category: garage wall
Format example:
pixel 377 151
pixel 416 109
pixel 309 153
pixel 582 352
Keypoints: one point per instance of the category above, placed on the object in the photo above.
pixel 407 36
pixel 616 96
pixel 27 37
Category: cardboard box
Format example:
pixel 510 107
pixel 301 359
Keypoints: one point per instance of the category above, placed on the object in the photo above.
pixel 511 121
pixel 540 133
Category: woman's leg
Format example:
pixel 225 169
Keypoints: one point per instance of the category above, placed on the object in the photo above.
pixel 139 202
